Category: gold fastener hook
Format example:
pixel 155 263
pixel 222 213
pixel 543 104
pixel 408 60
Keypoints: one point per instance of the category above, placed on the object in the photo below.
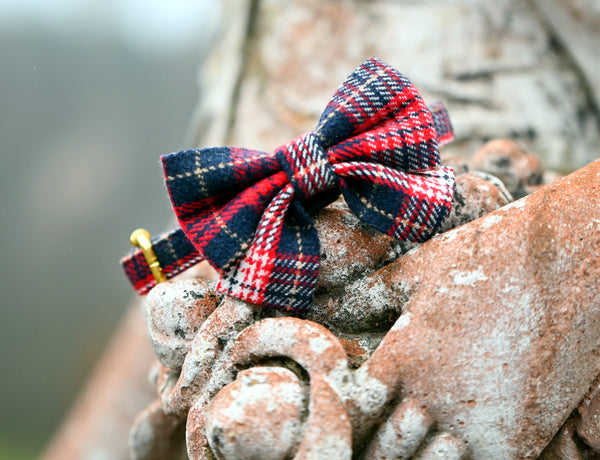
pixel 140 238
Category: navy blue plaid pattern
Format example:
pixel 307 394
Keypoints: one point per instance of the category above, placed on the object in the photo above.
pixel 247 212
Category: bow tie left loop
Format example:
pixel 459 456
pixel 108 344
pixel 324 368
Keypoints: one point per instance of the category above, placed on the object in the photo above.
pixel 305 162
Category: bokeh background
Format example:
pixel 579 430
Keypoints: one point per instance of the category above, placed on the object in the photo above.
pixel 92 92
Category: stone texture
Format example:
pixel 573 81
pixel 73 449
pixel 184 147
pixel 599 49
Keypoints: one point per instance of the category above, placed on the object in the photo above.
pixel 349 248
pixel 174 320
pixel 157 436
pixel 457 163
pixel 498 68
pixel 444 447
pixel 587 425
pixel 507 160
pixel 262 403
pixel 565 447
pixel 400 435
pixel 502 75
pixel 575 25
pixel 475 196
pixel 499 337
pixel 340 303
pixel 305 343
pixel 494 346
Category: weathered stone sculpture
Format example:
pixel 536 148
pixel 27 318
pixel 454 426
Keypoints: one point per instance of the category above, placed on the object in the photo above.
pixel 507 68
pixel 480 343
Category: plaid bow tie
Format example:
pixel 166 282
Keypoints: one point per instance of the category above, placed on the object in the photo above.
pixel 247 212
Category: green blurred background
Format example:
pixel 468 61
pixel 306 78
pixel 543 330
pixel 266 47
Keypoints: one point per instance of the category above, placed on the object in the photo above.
pixel 92 93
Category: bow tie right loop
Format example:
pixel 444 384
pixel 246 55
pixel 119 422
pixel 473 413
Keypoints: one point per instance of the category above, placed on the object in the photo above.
pixel 305 162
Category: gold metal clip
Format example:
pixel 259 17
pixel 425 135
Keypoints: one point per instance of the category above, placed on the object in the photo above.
pixel 140 238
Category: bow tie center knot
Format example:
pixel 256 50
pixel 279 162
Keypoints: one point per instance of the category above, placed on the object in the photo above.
pixel 305 161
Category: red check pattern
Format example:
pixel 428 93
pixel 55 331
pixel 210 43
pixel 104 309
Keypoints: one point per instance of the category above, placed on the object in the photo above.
pixel 247 212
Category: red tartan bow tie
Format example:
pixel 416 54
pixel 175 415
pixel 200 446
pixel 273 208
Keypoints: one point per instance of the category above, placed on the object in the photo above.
pixel 247 212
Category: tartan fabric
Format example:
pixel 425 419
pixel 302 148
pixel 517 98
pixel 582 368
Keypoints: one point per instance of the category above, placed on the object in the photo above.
pixel 174 252
pixel 247 212
pixel 443 127
pixel 305 162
